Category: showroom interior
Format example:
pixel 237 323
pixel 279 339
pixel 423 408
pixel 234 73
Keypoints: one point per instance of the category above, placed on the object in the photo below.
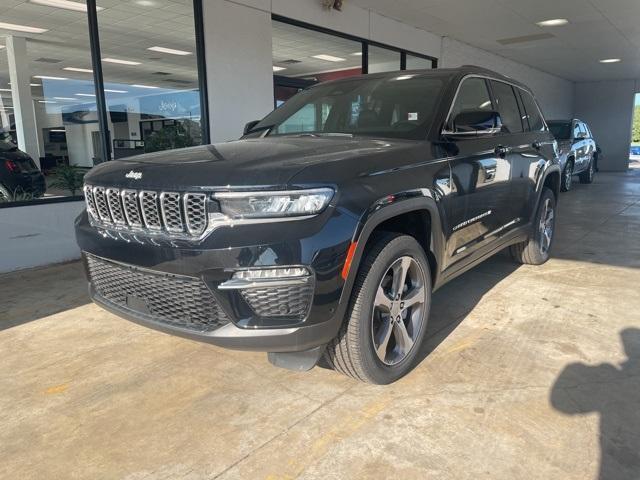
pixel 87 395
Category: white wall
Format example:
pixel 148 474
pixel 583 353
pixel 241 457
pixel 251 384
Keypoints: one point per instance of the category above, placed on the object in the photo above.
pixel 239 66
pixel 554 94
pixel 607 107
pixel 37 235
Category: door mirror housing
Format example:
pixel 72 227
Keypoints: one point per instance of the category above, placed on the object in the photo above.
pixel 581 136
pixel 475 123
pixel 249 126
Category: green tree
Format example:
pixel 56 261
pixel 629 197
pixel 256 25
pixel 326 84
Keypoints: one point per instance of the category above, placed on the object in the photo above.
pixel 170 137
pixel 68 177
pixel 635 136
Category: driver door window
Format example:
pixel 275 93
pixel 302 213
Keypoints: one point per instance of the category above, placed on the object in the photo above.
pixel 472 95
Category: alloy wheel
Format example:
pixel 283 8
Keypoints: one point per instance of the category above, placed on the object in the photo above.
pixel 546 226
pixel 568 175
pixel 399 310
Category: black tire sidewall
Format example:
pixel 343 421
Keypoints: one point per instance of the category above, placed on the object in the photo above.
pixel 535 240
pixel 401 245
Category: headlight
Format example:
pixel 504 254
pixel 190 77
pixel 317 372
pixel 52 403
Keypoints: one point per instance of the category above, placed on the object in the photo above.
pixel 239 205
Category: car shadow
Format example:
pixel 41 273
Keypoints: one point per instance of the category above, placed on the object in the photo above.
pixel 452 303
pixel 37 293
pixel 612 391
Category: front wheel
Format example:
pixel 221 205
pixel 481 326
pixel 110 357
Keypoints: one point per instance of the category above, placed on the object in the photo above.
pixel 567 177
pixel 587 176
pixel 388 313
pixel 535 251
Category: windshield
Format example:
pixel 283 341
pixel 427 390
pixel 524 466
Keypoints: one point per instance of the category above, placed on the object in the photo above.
pixel 396 107
pixel 560 130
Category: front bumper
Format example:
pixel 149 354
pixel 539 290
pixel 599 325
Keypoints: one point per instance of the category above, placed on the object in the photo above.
pixel 213 262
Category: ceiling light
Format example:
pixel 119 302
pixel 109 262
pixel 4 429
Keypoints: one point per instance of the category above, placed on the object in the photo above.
pixel 76 69
pixel 85 94
pixel 35 84
pixel 121 62
pixel 357 54
pixel 145 3
pixel 170 51
pixel 610 60
pixel 1 47
pixel 5 89
pixel 114 91
pixel 329 58
pixel 554 22
pixel 58 130
pixel 278 69
pixel 46 77
pixel 65 98
pixel 46 101
pixel 66 4
pixel 21 28
pixel 144 86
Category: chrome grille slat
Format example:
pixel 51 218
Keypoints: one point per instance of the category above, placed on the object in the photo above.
pixel 150 212
pixel 90 201
pixel 171 212
pixel 101 204
pixel 115 207
pixel 175 214
pixel 131 208
pixel 195 209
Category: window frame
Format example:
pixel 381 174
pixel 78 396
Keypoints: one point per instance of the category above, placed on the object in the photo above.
pixel 519 106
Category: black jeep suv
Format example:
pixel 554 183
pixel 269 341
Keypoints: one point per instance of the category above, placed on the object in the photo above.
pixel 324 230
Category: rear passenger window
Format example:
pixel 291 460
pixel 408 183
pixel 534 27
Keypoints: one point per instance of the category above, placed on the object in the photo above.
pixel 473 95
pixel 507 107
pixel 536 123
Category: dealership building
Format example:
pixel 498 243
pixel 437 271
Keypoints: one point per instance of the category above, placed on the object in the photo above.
pixel 81 84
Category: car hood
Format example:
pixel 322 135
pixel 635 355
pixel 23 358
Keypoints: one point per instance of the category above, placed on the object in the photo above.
pixel 266 162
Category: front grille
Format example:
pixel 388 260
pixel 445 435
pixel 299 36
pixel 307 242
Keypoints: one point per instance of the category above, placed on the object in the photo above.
pixel 171 299
pixel 282 301
pixel 173 213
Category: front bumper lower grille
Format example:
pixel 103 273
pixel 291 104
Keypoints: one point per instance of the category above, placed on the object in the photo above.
pixel 282 301
pixel 171 213
pixel 174 300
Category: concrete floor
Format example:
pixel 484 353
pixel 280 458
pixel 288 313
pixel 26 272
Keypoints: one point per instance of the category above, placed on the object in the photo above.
pixel 524 376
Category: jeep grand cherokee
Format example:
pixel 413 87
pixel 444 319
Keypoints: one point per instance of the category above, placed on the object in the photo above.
pixel 325 229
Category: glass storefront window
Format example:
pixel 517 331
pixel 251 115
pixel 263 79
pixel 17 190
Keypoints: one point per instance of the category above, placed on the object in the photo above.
pixel 418 63
pixel 48 119
pixel 383 60
pixel 150 76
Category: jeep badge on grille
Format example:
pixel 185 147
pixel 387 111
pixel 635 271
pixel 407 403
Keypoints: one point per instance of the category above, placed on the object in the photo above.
pixel 134 175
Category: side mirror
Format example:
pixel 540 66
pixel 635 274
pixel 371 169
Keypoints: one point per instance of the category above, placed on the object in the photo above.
pixel 476 122
pixel 249 126
pixel 581 136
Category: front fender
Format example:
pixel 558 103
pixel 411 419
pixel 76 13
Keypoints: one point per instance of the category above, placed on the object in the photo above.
pixel 387 208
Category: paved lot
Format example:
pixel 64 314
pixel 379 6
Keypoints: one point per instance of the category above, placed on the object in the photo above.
pixel 528 373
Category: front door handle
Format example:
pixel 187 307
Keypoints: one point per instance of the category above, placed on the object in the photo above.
pixel 501 150
pixel 536 145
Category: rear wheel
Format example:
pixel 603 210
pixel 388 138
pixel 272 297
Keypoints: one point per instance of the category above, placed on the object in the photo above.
pixel 587 175
pixel 535 251
pixel 387 317
pixel 567 176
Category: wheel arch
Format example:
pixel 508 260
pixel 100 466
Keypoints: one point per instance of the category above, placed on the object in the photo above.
pixel 402 214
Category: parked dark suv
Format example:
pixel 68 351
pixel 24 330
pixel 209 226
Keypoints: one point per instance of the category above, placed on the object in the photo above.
pixel 577 151
pixel 19 175
pixel 324 230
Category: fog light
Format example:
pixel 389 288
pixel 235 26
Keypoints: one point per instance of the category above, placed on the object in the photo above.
pixel 271 273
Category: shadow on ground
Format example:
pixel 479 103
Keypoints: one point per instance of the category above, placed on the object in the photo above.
pixel 451 304
pixel 612 391
pixel 33 294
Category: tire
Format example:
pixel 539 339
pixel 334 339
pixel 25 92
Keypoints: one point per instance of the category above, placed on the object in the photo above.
pixel 588 174
pixel 567 176
pixel 370 327
pixel 535 251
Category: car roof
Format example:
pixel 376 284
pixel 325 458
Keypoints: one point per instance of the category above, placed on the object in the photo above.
pixel 458 73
